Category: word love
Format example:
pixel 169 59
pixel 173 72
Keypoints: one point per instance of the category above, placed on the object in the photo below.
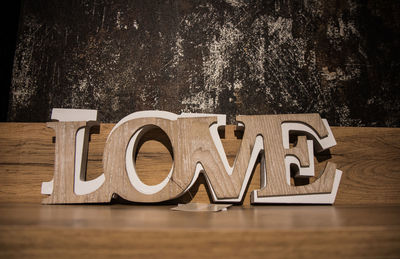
pixel 197 149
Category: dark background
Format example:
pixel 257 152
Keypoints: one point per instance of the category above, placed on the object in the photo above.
pixel 9 27
pixel 337 58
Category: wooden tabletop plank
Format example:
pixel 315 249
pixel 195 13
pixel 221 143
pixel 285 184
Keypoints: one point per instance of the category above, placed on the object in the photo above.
pixel 31 230
pixel 121 216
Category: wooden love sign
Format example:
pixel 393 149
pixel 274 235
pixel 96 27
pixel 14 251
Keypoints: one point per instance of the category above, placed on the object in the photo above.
pixel 197 149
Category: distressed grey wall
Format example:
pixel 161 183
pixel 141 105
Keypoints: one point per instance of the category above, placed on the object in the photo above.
pixel 337 58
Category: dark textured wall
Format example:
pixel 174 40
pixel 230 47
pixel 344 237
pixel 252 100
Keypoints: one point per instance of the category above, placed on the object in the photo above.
pixel 338 58
pixel 9 27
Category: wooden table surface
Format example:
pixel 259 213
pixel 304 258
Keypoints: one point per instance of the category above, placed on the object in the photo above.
pixel 33 230
pixel 144 217
pixel 363 223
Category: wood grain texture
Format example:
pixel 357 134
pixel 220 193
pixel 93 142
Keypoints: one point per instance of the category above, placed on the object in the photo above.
pixel 33 230
pixel 179 132
pixel 269 127
pixel 369 158
pixel 64 169
pixel 191 144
